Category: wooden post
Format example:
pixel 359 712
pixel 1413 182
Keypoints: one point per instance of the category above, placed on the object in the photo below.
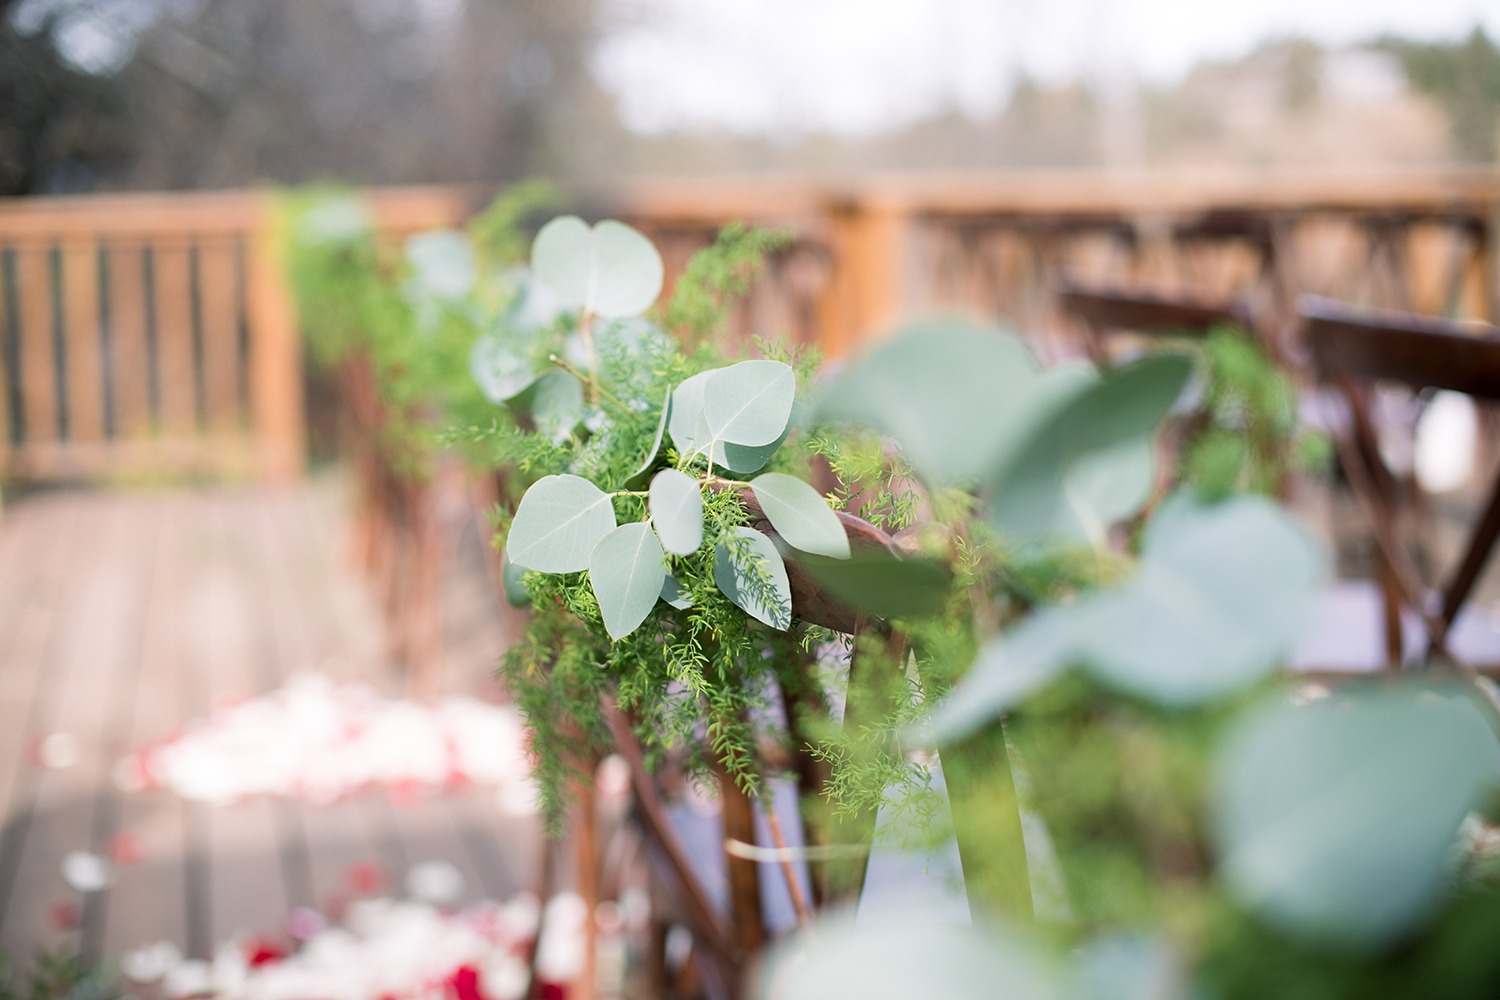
pixel 276 404
pixel 869 291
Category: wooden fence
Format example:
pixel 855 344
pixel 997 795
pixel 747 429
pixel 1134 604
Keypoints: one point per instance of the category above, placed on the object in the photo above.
pixel 143 335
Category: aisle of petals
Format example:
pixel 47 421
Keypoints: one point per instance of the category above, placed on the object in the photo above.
pixel 319 741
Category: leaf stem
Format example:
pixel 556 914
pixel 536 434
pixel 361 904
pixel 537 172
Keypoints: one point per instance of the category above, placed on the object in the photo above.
pixel 595 389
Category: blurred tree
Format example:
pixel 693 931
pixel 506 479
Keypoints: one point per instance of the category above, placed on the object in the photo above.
pixel 218 93
pixel 58 125
pixel 367 91
pixel 1464 78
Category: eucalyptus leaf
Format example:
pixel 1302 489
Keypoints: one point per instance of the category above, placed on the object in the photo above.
pixel 800 515
pixel 884 585
pixel 749 403
pixel 555 403
pixel 755 580
pixel 501 371
pixel 676 505
pixel 628 271
pixel 1008 670
pixel 676 594
pixel 626 574
pixel 906 959
pixel 688 427
pixel 557 525
pixel 638 477
pixel 442 263
pixel 610 270
pixel 512 579
pixel 1082 468
pixel 1336 821
pixel 562 258
pixel 1221 594
pixel 956 396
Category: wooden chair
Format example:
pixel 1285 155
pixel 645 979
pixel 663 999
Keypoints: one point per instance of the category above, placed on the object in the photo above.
pixel 1105 312
pixel 1351 350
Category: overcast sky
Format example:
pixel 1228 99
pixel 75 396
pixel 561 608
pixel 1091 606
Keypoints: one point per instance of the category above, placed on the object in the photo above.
pixel 862 65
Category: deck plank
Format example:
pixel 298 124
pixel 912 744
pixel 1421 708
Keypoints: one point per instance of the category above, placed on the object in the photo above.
pixel 86 649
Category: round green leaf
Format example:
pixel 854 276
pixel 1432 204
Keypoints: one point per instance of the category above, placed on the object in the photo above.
pixel 626 573
pixel 755 578
pixel 501 371
pixel 676 594
pixel 884 585
pixel 1221 595
pixel 562 258
pixel 893 959
pixel 676 505
pixel 512 579
pixel 957 397
pixel 749 403
pixel 627 271
pixel 557 525
pixel 638 477
pixel 800 515
pixel 1335 821
pixel 1072 475
pixel 556 404
pixel 1008 670
pixel 687 423
pixel 611 270
pixel 442 263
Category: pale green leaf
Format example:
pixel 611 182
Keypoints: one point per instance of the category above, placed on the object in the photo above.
pixel 638 477
pixel 512 580
pixel 555 404
pixel 557 525
pixel 676 594
pixel 610 270
pixel 688 427
pixel 626 573
pixel 1082 467
pixel 749 403
pixel 676 505
pixel 627 271
pixel 502 371
pixel 1008 670
pixel 884 585
pixel 1336 821
pixel 800 515
pixel 758 584
pixel 891 958
pixel 957 397
pixel 562 258
pixel 442 263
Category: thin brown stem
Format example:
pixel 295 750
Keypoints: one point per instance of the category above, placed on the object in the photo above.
pixel 793 884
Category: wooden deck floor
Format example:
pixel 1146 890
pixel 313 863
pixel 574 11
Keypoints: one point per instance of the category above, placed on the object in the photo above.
pixel 122 616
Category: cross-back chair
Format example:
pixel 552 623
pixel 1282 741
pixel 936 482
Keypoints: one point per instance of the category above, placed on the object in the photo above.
pixel 1106 312
pixel 1352 350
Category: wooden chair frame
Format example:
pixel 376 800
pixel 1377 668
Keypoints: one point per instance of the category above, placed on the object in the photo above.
pixel 1353 349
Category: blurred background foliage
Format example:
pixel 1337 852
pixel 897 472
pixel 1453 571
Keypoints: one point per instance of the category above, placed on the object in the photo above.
pixel 156 94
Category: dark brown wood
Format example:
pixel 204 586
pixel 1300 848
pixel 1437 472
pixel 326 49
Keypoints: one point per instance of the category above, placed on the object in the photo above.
pixel 1417 351
pixel 1351 349
pixel 1114 311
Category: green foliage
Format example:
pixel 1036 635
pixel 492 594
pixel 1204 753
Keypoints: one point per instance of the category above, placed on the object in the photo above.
pixel 1247 439
pixel 716 278
pixel 56 975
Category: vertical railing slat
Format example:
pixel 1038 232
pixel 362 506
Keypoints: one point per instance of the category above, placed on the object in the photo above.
pixel 275 363
pixel 177 409
pixel 33 287
pixel 80 275
pixel 130 380
pixel 219 325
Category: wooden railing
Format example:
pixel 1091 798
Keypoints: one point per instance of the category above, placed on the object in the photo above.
pixel 143 335
pixel 151 335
